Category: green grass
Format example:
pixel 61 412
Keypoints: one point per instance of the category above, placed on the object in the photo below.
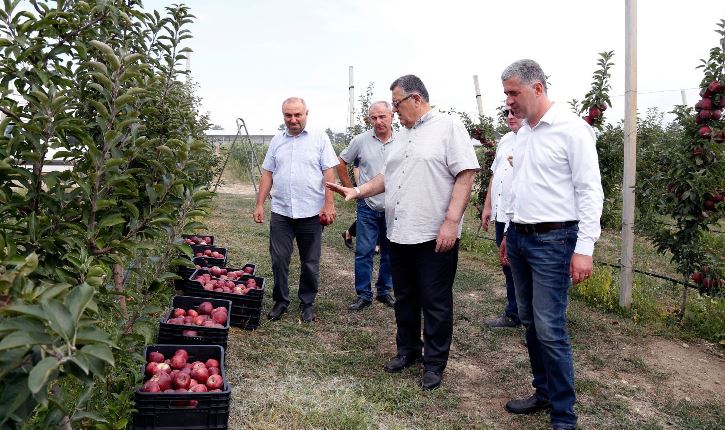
pixel 328 375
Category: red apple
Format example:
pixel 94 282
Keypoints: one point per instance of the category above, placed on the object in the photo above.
pixel 182 380
pixel 178 312
pixel 155 356
pixel 213 370
pixel 697 277
pixel 714 87
pixel 248 269
pixel 163 379
pixel 184 353
pixel 151 368
pixel 151 387
pixel 199 388
pixel 220 317
pixel 163 367
pixel 704 131
pixel 214 382
pixel 191 333
pixel 178 362
pixel 594 112
pixel 201 374
pixel 212 362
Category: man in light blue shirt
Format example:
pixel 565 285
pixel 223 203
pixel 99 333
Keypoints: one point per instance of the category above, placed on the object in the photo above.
pixel 370 148
pixel 294 171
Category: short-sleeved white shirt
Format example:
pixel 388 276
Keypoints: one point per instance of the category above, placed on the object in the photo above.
pixel 419 175
pixel 297 164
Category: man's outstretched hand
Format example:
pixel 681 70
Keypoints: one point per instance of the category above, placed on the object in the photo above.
pixel 348 193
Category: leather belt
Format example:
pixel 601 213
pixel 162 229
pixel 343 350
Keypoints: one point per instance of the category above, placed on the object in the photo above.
pixel 542 227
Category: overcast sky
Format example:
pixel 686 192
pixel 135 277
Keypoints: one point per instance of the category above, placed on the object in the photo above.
pixel 250 55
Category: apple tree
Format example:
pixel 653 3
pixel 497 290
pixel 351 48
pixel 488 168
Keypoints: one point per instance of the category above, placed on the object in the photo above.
pixel 686 191
pixel 98 85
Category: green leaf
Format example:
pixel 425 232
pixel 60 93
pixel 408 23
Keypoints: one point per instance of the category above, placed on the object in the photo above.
pixel 32 310
pixel 20 338
pixel 38 377
pixel 60 318
pixel 110 220
pixel 99 351
pixel 77 300
pixel 92 334
pixel 108 54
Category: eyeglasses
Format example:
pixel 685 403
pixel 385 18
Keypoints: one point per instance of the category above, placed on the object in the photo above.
pixel 396 104
pixel 506 112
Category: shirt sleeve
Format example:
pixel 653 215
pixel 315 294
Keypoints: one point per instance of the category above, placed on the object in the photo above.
pixel 587 182
pixel 460 154
pixel 352 151
pixel 328 158
pixel 269 163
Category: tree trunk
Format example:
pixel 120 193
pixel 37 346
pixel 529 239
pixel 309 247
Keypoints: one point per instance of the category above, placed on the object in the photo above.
pixel 118 282
pixel 683 305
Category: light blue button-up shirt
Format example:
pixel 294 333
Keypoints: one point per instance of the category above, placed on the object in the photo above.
pixel 297 163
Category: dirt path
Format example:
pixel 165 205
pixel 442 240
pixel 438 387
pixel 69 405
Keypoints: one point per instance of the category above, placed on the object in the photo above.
pixel 650 374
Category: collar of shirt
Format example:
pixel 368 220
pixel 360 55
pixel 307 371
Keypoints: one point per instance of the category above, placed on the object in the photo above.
pixel 548 118
pixel 390 139
pixel 286 133
pixel 427 116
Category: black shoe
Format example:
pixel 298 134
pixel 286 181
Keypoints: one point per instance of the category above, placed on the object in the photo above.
pixel 502 321
pixel 359 304
pixel 529 405
pixel 348 242
pixel 400 362
pixel 387 299
pixel 431 380
pixel 277 310
pixel 306 314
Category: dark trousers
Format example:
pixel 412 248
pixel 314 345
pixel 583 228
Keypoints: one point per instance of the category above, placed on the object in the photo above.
pixel 512 311
pixel 308 233
pixel 423 283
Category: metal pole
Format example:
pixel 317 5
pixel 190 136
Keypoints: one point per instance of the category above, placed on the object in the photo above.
pixel 352 100
pixel 684 97
pixel 630 152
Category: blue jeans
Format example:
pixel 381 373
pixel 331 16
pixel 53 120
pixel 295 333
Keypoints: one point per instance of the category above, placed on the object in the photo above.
pixel 512 311
pixel 540 267
pixel 370 225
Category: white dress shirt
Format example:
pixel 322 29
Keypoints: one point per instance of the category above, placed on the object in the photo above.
pixel 419 175
pixel 297 163
pixel 502 175
pixel 556 175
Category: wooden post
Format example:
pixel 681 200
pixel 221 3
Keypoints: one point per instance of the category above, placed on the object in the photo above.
pixel 352 100
pixel 630 152
pixel 479 101
pixel 684 97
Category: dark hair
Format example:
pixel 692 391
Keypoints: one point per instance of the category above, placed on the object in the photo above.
pixel 528 71
pixel 411 84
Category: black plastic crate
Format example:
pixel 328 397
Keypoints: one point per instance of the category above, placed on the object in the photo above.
pixel 246 309
pixel 185 272
pixel 190 411
pixel 191 283
pixel 209 260
pixel 200 236
pixel 174 333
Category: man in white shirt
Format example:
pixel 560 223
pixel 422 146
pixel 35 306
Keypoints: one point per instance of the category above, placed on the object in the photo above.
pixel 498 197
pixel 555 210
pixel 427 180
pixel 369 149
pixel 297 165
